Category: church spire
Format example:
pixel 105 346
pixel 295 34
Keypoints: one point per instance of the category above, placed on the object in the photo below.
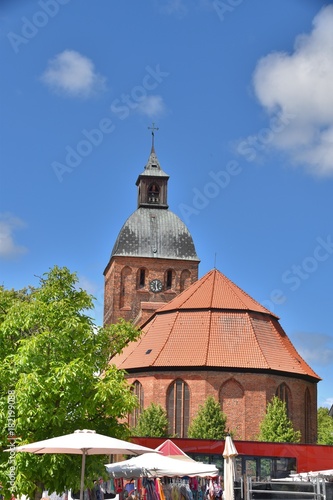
pixel 153 181
pixel 153 128
pixel 153 167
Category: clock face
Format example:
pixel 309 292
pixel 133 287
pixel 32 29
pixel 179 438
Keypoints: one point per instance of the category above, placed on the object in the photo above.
pixel 155 286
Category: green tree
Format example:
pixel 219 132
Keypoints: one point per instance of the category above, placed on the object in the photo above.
pixel 325 427
pixel 276 426
pixel 55 377
pixel 210 421
pixel 153 422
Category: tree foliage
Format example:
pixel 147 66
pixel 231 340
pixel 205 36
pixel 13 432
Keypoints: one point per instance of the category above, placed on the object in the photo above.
pixel 276 426
pixel 325 427
pixel 56 377
pixel 210 421
pixel 153 422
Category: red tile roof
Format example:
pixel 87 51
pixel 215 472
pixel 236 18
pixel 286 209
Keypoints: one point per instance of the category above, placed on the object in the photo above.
pixel 214 290
pixel 214 324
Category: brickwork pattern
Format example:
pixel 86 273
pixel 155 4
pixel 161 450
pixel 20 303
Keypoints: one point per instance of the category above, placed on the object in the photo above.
pixel 124 301
pixel 243 396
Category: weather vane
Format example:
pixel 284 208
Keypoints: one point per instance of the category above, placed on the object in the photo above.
pixel 153 128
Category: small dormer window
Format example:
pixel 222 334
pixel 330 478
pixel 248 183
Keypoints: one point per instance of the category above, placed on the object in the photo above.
pixel 153 193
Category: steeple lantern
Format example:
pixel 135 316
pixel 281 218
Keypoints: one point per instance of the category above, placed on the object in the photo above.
pixel 153 182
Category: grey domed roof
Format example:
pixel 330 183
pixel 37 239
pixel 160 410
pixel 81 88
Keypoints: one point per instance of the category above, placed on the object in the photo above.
pixel 153 232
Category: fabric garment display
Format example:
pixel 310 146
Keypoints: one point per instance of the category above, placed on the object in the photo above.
pixel 177 490
pixel 149 489
pixel 213 490
pixel 182 489
pixel 118 485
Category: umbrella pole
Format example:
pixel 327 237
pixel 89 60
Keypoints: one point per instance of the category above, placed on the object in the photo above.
pixel 83 465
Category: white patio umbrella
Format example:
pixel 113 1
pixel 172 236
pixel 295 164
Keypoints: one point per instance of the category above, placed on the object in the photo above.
pixel 229 455
pixel 83 442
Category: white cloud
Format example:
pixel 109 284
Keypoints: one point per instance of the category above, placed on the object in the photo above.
pixel 181 8
pixel 300 85
pixel 8 247
pixel 88 285
pixel 316 348
pixel 73 74
pixel 152 106
pixel 174 7
pixel 328 402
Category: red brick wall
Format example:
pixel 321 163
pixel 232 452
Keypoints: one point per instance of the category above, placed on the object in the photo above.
pixel 243 396
pixel 156 268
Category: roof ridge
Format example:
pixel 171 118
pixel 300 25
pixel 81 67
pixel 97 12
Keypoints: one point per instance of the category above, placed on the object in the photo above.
pixel 258 343
pixel 229 282
pixel 213 290
pixel 209 335
pixel 133 344
pixel 168 336
pixel 287 343
pixel 199 284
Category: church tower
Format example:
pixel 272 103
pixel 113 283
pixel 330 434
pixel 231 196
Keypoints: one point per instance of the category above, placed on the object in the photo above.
pixel 154 257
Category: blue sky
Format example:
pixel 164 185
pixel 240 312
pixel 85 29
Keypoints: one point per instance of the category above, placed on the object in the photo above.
pixel 242 94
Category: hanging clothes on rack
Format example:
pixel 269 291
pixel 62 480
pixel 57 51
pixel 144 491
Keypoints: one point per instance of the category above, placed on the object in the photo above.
pixel 177 489
pixel 150 489
pixel 159 489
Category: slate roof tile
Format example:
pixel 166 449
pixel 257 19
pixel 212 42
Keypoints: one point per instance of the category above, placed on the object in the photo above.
pixel 155 232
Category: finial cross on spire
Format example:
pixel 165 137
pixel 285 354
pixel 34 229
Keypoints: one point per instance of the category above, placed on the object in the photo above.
pixel 153 128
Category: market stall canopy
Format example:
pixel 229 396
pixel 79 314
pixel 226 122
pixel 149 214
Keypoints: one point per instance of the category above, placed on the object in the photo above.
pixel 156 465
pixel 312 474
pixel 170 449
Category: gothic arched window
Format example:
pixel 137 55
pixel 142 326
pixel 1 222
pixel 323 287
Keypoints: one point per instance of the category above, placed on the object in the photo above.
pixel 283 393
pixel 232 403
pixel 137 389
pixel 178 408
